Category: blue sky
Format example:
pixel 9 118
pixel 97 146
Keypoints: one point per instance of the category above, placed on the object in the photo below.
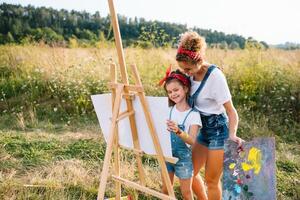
pixel 273 21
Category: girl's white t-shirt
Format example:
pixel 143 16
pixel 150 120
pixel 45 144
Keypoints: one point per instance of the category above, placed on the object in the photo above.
pixel 192 119
pixel 214 93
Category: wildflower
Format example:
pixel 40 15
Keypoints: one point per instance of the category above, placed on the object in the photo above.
pixel 293 98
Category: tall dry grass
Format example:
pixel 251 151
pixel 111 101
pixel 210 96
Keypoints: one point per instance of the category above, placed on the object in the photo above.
pixel 45 97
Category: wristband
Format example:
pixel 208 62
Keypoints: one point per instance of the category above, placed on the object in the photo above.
pixel 184 135
pixel 179 131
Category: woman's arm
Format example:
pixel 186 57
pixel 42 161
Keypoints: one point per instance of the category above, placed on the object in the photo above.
pixel 233 122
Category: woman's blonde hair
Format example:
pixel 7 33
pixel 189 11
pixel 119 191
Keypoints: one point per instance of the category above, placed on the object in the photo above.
pixel 191 41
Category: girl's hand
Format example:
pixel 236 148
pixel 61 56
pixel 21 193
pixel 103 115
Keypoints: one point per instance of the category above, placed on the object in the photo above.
pixel 172 126
pixel 237 139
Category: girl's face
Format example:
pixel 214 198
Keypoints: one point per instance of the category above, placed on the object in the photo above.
pixel 188 68
pixel 176 92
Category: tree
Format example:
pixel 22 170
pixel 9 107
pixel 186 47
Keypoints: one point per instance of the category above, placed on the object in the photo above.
pixel 234 45
pixel 2 39
pixel 73 42
pixel 31 23
pixel 9 38
pixel 252 44
pixel 50 36
pixel 265 45
pixel 154 35
pixel 223 45
pixel 102 36
pixel 86 34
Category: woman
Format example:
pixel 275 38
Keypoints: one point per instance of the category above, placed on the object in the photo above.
pixel 211 96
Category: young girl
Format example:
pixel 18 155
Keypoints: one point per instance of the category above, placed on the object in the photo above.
pixel 220 120
pixel 184 124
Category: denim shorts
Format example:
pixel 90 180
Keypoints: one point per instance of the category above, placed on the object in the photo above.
pixel 214 131
pixel 184 167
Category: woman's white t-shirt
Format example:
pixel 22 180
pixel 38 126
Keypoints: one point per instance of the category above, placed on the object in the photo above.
pixel 214 93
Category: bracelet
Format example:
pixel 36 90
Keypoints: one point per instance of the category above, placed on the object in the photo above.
pixel 184 135
pixel 179 131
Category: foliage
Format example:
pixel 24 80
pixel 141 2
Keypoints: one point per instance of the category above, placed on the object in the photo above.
pixel 23 25
pixel 234 45
pixel 288 46
pixel 258 84
pixel 155 36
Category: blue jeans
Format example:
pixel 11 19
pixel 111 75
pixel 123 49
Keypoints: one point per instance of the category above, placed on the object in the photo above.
pixel 214 131
pixel 183 169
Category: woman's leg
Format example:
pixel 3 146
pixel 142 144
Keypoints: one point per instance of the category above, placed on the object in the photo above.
pixel 164 187
pixel 199 155
pixel 186 188
pixel 213 173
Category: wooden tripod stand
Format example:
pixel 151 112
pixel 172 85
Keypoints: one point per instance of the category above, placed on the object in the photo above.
pixel 125 90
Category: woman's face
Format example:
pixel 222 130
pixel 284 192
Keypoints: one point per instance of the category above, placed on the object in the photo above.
pixel 188 68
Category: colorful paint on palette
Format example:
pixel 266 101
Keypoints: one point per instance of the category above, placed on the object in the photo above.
pixel 254 161
pixel 249 172
pixel 232 165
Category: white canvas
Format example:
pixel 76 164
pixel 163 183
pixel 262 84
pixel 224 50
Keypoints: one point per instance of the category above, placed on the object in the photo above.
pixel 158 107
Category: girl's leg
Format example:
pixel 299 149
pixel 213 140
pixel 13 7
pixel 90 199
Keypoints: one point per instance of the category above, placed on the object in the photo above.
pixel 199 155
pixel 186 188
pixel 213 173
pixel 164 187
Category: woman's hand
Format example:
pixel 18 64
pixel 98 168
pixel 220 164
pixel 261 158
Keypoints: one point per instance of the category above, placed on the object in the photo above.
pixel 237 139
pixel 172 126
pixel 199 58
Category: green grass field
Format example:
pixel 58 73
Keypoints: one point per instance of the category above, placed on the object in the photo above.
pixel 51 146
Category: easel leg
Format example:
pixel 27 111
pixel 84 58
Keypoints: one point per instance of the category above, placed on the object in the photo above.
pixel 136 143
pixel 110 143
pixel 113 76
pixel 117 166
pixel 154 136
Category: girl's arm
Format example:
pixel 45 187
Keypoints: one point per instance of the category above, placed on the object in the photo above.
pixel 190 137
pixel 233 122
pixel 186 137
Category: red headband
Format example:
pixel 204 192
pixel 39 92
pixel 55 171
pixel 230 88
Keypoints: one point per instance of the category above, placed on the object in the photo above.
pixel 179 77
pixel 189 53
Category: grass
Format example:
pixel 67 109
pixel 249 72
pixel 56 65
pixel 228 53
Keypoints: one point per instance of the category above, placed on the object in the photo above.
pixel 66 165
pixel 51 146
pixel 48 165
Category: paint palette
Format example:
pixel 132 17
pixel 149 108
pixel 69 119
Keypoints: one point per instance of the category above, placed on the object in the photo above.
pixel 249 171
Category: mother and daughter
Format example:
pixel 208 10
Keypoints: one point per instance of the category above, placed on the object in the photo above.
pixel 200 124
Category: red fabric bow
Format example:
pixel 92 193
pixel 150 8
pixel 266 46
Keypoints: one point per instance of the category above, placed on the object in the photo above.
pixel 193 55
pixel 179 77
pixel 168 72
pixel 183 79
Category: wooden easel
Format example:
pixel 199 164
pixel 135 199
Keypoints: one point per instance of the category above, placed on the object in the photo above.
pixel 127 91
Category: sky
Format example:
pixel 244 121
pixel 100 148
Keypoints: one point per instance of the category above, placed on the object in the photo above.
pixel 272 21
